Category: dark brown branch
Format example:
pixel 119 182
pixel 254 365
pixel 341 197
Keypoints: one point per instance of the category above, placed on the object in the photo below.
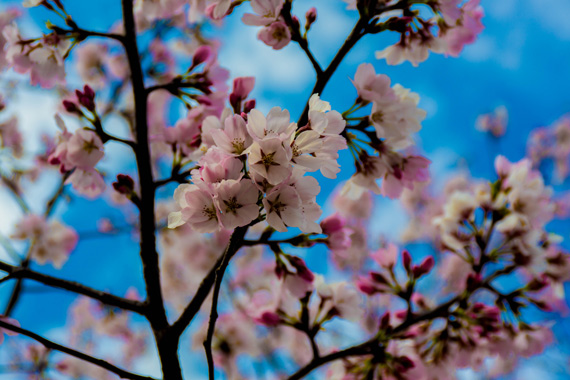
pixel 233 246
pixel 80 355
pixel 298 38
pixel 167 344
pixel 103 297
pixel 180 177
pixel 323 78
pixel 365 348
pixel 171 87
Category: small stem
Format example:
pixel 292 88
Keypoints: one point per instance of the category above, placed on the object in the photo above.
pixel 80 355
pixel 233 246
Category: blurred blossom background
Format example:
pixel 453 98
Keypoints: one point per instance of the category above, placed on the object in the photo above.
pixel 518 66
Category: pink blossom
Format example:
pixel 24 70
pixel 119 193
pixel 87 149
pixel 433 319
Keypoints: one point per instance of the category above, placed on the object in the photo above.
pixel 84 149
pixel 466 30
pixel 197 209
pixel 277 35
pixel 283 208
pixel 10 136
pixel 386 257
pixel 234 137
pixel 270 159
pixel 415 169
pixel 87 181
pixel 237 202
pixel 52 241
pixel 277 123
pixel 372 87
pixel 266 11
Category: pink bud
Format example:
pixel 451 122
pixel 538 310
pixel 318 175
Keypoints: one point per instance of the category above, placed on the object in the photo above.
pixel 406 259
pixel 243 86
pixel 201 55
pixel 70 106
pixel 302 270
pixel 269 318
pixel 249 105
pixel 385 321
pixel 88 92
pixel 332 224
pixel 502 166
pixel 401 314
pixel 424 268
pixel 310 16
pixel 365 286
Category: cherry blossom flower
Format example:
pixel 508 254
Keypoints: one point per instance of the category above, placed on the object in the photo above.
pixel 266 11
pixel 51 241
pixel 234 137
pixel 373 87
pixel 283 208
pixel 237 202
pixel 197 209
pixel 396 122
pixel 270 159
pixel 277 35
pixel 276 124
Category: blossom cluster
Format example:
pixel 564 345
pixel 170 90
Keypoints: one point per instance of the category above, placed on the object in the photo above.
pixel 42 58
pixel 395 118
pixel 80 151
pixel 50 241
pixel 245 209
pixel 456 24
pixel 256 163
pixel 552 143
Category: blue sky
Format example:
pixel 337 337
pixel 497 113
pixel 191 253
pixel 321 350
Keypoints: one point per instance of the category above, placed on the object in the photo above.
pixel 520 61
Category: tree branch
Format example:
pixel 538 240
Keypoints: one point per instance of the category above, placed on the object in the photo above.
pixel 80 355
pixel 167 344
pixel 233 246
pixel 365 348
pixel 323 78
pixel 103 297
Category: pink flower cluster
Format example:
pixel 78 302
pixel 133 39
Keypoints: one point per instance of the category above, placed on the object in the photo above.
pixel 275 31
pixel 457 26
pixel 50 241
pixel 257 163
pixel 552 143
pixel 494 123
pixel 79 152
pixel 395 118
pixel 42 58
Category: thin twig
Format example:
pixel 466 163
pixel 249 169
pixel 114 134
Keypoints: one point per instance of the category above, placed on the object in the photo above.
pixel 233 246
pixel 123 374
pixel 103 297
pixel 365 348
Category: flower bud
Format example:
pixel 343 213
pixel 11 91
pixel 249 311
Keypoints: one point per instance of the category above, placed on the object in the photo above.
pixel 249 105
pixel 332 224
pixel 302 270
pixel 269 318
pixel 71 107
pixel 385 321
pixel 201 55
pixel 366 286
pixel 243 86
pixel 124 184
pixel 311 17
pixel 406 259
pixel 424 268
